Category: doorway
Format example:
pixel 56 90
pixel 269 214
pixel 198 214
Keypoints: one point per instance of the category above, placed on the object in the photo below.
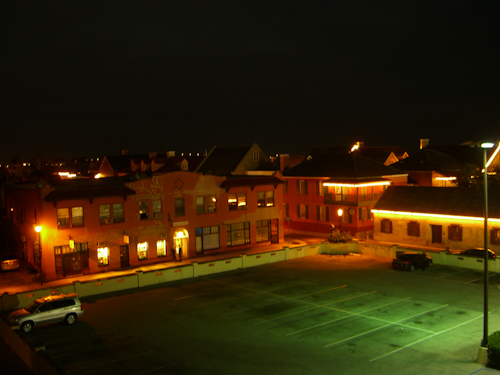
pixel 181 242
pixel 437 234
pixel 275 234
pixel 124 256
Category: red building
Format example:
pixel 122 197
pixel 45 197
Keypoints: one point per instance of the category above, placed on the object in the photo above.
pixel 337 190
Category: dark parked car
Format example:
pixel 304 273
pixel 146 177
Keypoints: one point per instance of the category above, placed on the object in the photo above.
pixel 410 261
pixel 479 253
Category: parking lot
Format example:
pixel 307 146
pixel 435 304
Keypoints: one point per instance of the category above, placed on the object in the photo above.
pixel 317 315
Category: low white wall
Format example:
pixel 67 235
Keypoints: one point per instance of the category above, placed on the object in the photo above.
pixel 218 266
pixel 101 286
pixel 164 275
pixel 340 248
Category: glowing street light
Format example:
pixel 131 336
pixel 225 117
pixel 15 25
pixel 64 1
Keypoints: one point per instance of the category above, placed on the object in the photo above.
pixel 340 212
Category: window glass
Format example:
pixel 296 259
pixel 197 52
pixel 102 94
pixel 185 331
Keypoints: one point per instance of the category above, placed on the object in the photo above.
pixel 211 203
pixel 142 250
pixel 200 205
pixel 269 198
pixel 103 256
pixel 156 207
pixel 263 230
pixel 104 213
pixel 261 199
pixel 161 248
pixel 179 206
pixel 118 212
pixel 238 234
pixel 63 217
pixel 143 210
pixel 76 216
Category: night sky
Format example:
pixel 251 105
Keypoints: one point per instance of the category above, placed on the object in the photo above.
pixel 96 77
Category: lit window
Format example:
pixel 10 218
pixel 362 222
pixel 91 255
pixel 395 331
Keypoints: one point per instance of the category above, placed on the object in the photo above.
pixel 206 204
pixel 161 248
pixel 118 212
pixel 142 250
pixel 104 213
pixel 109 214
pixel 103 256
pixel 63 217
pixel 237 201
pixel 265 198
pixel 320 189
pixel 143 210
pixel 76 216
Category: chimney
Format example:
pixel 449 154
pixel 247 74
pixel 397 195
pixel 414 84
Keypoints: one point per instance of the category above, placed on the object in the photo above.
pixel 170 154
pixel 424 143
pixel 284 160
pixel 153 155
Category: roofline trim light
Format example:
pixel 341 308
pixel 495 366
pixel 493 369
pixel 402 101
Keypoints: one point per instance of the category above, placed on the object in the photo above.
pixel 366 184
pixel 403 213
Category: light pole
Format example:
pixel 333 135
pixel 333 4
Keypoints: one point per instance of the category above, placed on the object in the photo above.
pixel 340 212
pixel 484 342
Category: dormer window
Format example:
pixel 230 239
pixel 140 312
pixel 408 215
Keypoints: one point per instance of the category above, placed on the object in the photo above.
pixel 256 155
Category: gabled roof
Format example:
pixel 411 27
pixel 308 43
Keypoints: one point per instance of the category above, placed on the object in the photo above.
pixel 341 166
pixel 121 163
pixel 429 160
pixel 221 161
pixel 377 153
pixel 439 200
pixel 464 153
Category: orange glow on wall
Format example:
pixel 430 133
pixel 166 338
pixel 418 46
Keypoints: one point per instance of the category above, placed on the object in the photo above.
pixel 458 217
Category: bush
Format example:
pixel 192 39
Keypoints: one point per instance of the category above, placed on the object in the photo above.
pixel 494 349
pixel 338 236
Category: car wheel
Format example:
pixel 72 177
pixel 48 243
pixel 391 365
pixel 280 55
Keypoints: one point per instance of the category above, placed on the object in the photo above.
pixel 411 268
pixel 27 327
pixel 70 319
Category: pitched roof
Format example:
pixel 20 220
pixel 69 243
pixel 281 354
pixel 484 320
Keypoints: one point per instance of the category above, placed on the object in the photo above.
pixel 341 166
pixel 223 160
pixel 439 200
pixel 464 153
pixel 429 160
pixel 377 153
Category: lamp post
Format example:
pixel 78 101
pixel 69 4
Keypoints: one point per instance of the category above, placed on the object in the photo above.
pixel 340 212
pixel 484 342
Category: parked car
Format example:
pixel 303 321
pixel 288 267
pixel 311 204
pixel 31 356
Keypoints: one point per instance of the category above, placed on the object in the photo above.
pixel 51 309
pixel 479 253
pixel 410 261
pixel 9 262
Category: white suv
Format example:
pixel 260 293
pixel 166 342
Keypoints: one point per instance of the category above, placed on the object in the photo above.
pixel 51 309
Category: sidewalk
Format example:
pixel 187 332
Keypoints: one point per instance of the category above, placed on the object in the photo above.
pixel 26 284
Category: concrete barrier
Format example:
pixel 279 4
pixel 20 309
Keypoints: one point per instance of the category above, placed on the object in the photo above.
pixel 340 248
pixel 18 301
pixel 218 266
pixel 254 260
pixel 101 286
pixel 164 275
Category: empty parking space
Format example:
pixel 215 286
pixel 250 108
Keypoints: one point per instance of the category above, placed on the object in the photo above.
pixel 352 312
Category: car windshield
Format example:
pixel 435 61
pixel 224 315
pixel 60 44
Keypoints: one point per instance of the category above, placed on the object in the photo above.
pixel 32 307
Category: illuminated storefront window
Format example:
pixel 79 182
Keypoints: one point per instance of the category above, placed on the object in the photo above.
pixel 238 234
pixel 237 201
pixel 161 248
pixel 142 250
pixel 103 256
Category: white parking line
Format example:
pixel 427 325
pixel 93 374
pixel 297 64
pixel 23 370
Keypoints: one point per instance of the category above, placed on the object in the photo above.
pixel 425 338
pixel 441 277
pixel 361 334
pixel 287 299
pixel 348 316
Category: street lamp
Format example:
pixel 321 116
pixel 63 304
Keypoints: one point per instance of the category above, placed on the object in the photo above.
pixel 340 212
pixel 484 342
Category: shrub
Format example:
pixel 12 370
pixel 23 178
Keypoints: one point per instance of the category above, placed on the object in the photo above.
pixel 494 348
pixel 338 236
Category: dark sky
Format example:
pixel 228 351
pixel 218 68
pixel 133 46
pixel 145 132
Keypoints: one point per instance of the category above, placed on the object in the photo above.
pixel 95 77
